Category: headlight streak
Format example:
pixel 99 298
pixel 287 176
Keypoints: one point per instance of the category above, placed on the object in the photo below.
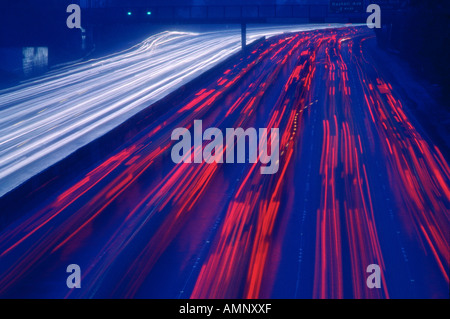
pixel 68 108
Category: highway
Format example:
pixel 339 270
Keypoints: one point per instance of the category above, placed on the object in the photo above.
pixel 45 119
pixel 359 183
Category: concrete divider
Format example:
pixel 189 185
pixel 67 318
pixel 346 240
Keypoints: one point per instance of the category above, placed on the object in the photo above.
pixel 36 190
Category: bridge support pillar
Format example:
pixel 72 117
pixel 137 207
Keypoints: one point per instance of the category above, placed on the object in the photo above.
pixel 244 35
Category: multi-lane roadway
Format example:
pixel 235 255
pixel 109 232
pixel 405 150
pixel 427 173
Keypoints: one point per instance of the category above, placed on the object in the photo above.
pixel 359 183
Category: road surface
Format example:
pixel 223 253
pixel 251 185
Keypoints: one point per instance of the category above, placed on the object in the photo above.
pixel 359 183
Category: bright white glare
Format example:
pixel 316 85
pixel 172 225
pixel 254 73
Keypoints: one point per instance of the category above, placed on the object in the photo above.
pixel 45 119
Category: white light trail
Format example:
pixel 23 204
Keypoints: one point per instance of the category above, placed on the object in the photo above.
pixel 46 119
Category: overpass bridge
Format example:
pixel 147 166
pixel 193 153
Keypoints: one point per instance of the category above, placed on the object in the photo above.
pixel 43 24
pixel 150 12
